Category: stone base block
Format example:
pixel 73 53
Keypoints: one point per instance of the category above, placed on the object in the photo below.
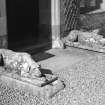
pixel 46 91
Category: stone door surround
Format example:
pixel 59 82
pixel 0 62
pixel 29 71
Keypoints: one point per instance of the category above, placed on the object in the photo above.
pixel 3 24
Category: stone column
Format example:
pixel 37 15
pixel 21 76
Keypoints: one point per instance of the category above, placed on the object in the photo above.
pixel 103 5
pixel 3 27
pixel 55 22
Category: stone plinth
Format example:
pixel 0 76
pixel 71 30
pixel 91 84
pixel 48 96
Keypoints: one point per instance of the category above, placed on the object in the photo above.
pixel 47 90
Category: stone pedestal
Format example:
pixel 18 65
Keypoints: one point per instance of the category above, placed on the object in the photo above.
pixel 35 87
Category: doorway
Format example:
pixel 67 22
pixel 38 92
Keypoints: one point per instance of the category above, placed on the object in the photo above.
pixel 23 22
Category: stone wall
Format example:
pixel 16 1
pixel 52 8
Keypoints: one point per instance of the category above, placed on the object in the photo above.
pixel 3 28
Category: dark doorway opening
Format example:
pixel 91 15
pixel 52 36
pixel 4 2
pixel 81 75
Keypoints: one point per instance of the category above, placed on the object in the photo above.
pixel 23 24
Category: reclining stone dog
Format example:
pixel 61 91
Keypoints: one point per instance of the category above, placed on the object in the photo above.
pixel 20 62
pixel 22 72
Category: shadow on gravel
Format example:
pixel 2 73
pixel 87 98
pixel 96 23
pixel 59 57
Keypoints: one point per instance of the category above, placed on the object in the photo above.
pixel 46 71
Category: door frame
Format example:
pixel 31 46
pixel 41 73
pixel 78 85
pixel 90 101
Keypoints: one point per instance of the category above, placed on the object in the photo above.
pixel 3 25
pixel 55 21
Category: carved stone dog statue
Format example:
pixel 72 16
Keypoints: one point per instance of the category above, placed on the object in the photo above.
pixel 29 76
pixel 20 62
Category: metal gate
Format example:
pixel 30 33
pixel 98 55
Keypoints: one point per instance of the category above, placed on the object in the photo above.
pixel 69 15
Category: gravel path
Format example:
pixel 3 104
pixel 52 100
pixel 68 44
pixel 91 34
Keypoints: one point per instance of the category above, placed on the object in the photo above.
pixel 85 85
pixel 10 96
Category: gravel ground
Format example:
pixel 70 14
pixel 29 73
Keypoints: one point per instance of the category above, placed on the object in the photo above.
pixel 10 96
pixel 85 85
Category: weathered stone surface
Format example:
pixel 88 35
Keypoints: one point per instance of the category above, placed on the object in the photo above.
pixel 87 40
pixel 72 36
pixel 40 82
pixel 20 62
pixel 22 72
pixel 46 91
pixel 57 43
